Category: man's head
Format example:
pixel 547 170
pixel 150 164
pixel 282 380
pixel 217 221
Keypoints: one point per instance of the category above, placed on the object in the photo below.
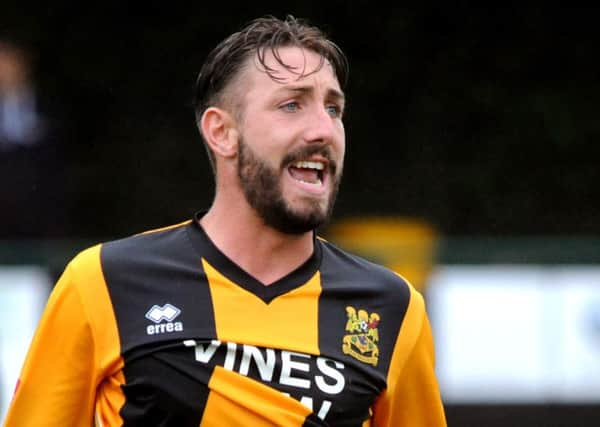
pixel 269 103
pixel 216 82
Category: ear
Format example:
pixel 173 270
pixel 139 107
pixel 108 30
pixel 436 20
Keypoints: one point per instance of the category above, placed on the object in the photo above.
pixel 220 132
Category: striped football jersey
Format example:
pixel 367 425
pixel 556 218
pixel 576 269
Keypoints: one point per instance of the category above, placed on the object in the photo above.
pixel 162 329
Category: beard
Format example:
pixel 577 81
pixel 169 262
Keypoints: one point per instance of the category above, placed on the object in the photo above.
pixel 261 186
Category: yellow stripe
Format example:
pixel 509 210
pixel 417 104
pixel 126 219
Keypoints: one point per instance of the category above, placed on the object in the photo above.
pixel 98 305
pixel 409 333
pixel 290 321
pixel 234 397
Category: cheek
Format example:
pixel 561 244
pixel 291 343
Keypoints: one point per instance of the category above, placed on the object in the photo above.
pixel 270 143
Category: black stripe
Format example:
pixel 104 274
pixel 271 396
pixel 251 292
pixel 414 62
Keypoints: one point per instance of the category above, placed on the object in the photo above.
pixel 166 388
pixel 156 269
pixel 313 421
pixel 350 281
pixel 161 376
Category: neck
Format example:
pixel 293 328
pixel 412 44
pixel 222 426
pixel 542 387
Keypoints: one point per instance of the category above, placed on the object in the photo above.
pixel 261 251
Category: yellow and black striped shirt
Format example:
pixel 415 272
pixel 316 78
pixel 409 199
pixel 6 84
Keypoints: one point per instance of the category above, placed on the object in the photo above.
pixel 162 329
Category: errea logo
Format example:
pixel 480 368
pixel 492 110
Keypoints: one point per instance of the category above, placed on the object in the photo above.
pixel 167 312
pixel 157 314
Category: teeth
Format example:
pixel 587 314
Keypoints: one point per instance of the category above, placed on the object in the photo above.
pixel 309 165
pixel 317 183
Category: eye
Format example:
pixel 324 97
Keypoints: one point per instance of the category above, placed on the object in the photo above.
pixel 334 110
pixel 290 107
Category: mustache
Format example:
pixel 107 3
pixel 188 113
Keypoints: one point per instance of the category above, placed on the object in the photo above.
pixel 308 151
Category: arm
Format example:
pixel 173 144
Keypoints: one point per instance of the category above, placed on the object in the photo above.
pixel 57 385
pixel 412 397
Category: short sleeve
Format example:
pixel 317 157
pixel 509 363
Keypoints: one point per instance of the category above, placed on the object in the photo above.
pixel 57 382
pixel 412 397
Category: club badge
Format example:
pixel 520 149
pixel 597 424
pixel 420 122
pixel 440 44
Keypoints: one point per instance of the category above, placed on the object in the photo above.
pixel 362 338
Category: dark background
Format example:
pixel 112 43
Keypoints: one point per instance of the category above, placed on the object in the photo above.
pixel 482 121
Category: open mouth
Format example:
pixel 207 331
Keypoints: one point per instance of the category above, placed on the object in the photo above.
pixel 308 172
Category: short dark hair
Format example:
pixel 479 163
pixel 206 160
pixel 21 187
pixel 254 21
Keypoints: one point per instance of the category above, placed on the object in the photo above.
pixel 261 35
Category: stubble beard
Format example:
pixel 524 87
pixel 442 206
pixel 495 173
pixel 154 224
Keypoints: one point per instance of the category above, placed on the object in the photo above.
pixel 261 186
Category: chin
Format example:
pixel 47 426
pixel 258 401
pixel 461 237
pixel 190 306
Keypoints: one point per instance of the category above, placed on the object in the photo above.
pixel 299 221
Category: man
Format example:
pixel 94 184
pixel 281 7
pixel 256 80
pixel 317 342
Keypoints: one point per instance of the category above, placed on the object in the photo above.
pixel 241 316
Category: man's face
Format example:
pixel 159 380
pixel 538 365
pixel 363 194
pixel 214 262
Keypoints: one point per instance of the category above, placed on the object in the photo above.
pixel 292 143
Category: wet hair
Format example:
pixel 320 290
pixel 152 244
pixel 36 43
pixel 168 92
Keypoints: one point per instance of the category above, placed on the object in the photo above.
pixel 264 35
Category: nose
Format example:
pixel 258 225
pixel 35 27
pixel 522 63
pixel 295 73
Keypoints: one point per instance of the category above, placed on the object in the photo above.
pixel 322 127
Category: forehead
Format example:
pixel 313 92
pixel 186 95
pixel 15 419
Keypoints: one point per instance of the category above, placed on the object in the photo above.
pixel 290 64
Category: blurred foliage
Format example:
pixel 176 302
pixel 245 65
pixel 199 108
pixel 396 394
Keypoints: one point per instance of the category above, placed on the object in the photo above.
pixel 477 120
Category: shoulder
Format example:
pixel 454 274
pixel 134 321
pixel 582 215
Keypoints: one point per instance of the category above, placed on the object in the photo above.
pixel 368 275
pixel 91 261
pixel 334 256
pixel 146 245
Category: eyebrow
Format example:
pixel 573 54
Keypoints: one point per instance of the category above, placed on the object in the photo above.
pixel 331 93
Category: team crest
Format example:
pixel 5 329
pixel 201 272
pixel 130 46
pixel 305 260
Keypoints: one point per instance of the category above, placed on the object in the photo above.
pixel 362 338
